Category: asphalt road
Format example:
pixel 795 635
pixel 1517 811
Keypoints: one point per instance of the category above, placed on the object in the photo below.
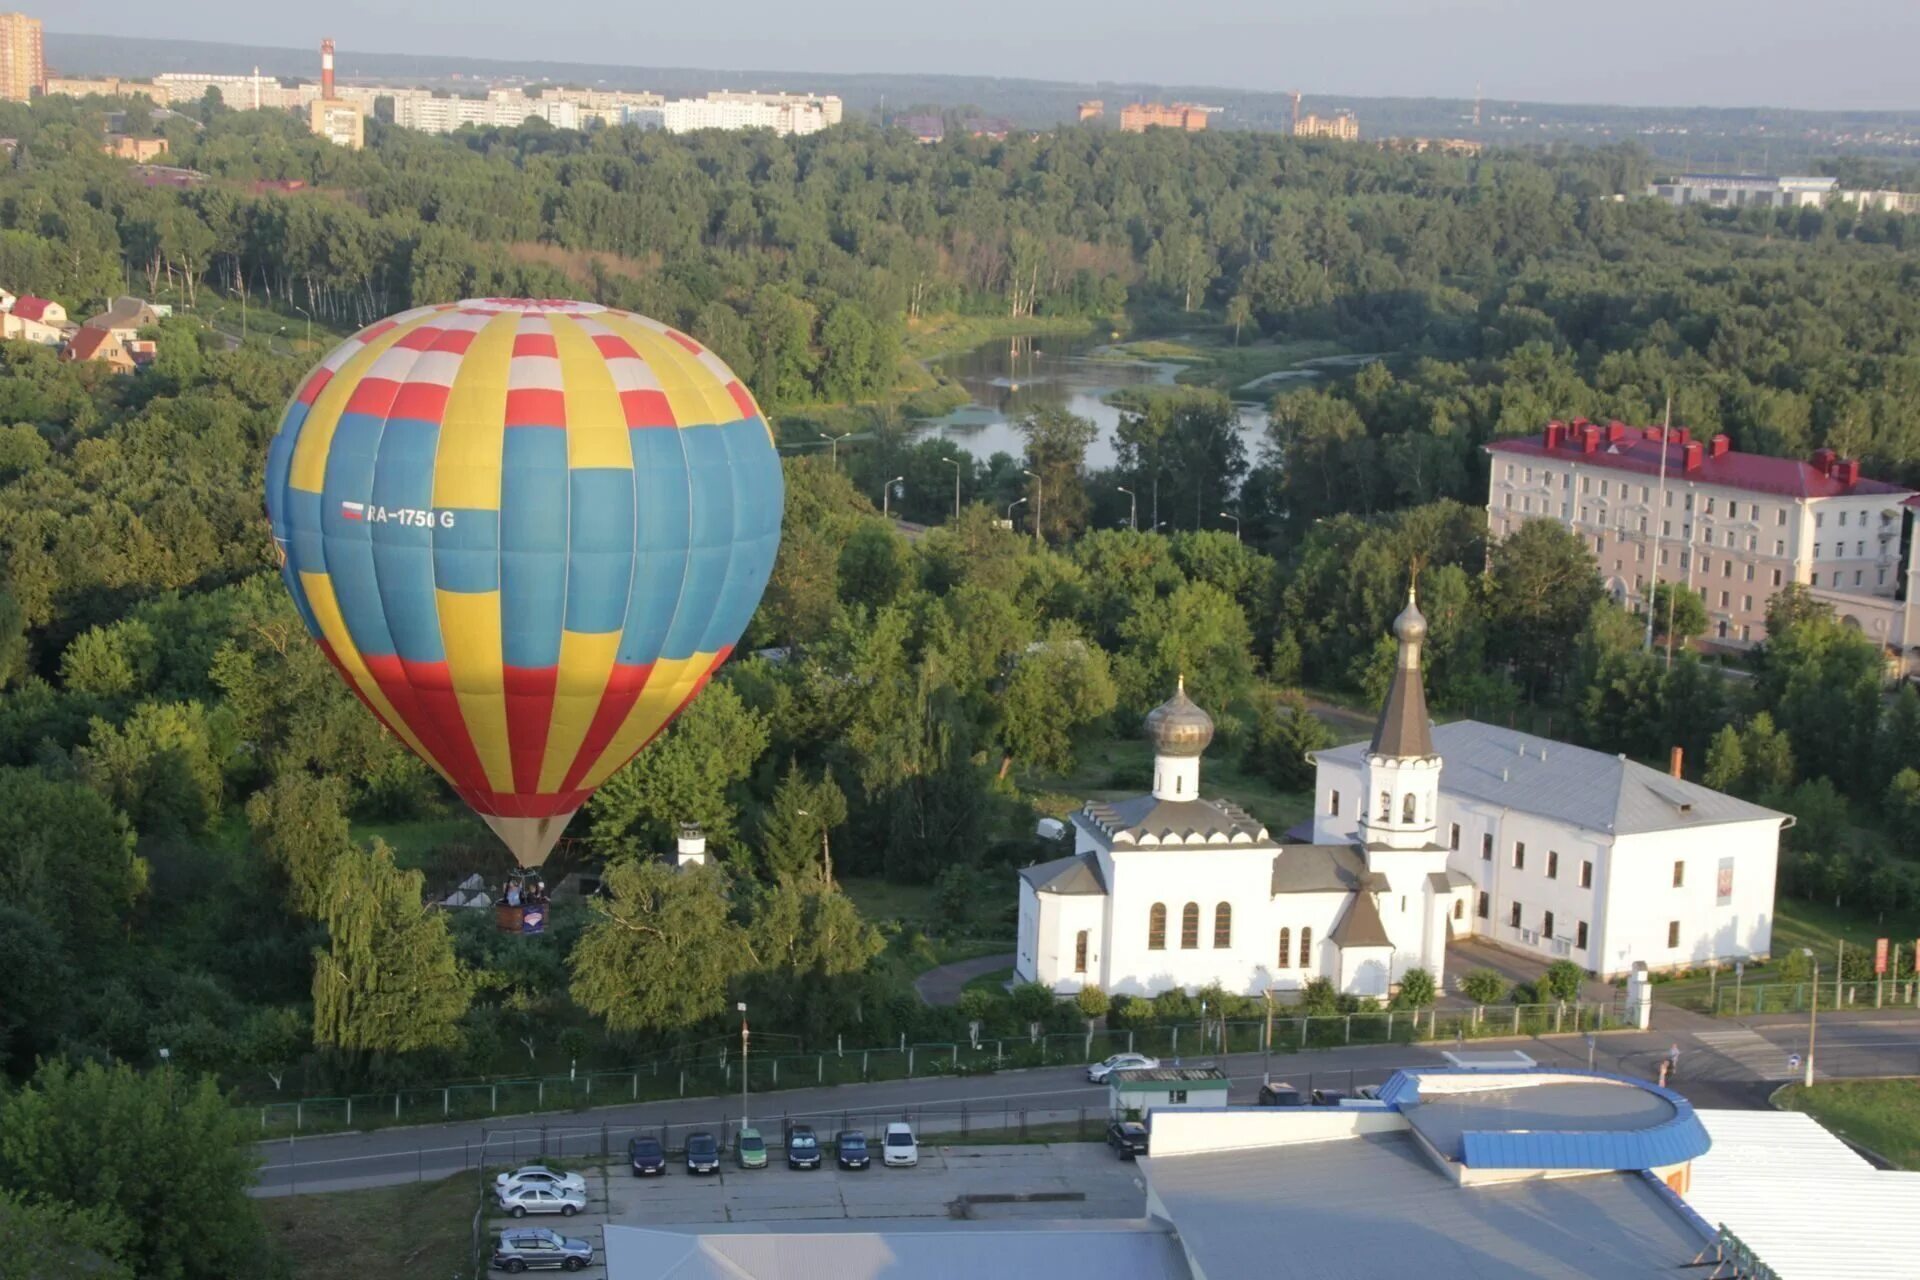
pixel 1723 1064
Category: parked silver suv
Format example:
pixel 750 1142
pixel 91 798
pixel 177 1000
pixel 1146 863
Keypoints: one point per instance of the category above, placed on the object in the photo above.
pixel 536 1248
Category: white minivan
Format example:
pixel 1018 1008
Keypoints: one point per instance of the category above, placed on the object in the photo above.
pixel 900 1147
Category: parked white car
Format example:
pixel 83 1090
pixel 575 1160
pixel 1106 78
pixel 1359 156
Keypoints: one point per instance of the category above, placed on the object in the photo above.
pixel 538 1175
pixel 524 1198
pixel 1099 1071
pixel 900 1150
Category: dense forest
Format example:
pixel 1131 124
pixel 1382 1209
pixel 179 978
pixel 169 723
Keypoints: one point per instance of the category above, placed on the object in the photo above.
pixel 208 846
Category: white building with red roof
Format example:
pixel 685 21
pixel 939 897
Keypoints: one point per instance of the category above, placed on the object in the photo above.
pixel 33 319
pixel 1657 505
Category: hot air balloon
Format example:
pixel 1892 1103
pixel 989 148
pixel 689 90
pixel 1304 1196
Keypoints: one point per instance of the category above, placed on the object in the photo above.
pixel 525 533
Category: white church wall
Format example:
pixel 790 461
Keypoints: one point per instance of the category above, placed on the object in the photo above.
pixel 1240 877
pixel 1063 918
pixel 1344 826
pixel 1642 901
pixel 1028 946
pixel 1536 892
pixel 1318 912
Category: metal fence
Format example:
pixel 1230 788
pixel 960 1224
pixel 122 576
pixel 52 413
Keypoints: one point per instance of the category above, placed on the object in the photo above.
pixel 719 1073
pixel 1736 999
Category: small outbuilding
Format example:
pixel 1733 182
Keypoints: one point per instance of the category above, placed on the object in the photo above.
pixel 1142 1090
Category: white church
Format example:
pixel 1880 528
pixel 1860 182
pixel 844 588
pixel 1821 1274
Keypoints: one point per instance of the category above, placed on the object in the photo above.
pixel 1421 835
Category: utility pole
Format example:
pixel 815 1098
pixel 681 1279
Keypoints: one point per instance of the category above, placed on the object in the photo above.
pixel 1266 1044
pixel 742 1007
pixel 1660 506
pixel 955 464
pixel 833 442
pixel 1813 1018
pixel 1133 507
pixel 1236 523
pixel 1039 503
pixel 886 496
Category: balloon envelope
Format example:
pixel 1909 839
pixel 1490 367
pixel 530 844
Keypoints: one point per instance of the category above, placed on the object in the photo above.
pixel 525 533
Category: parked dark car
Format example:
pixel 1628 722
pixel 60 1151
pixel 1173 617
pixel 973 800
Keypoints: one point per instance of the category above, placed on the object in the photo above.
pixel 1328 1097
pixel 803 1148
pixel 1279 1094
pixel 648 1158
pixel 1128 1138
pixel 703 1153
pixel 537 1249
pixel 850 1149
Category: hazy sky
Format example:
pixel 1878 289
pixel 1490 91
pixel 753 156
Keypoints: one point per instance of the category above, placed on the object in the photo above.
pixel 1836 53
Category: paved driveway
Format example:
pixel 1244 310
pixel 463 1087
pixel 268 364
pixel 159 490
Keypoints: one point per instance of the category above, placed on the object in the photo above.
pixel 942 985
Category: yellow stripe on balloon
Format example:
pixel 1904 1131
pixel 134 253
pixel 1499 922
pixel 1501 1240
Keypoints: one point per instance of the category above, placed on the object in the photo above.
pixel 667 687
pixel 596 422
pixel 466 469
pixel 326 611
pixel 695 395
pixel 309 469
pixel 470 630
pixel 586 659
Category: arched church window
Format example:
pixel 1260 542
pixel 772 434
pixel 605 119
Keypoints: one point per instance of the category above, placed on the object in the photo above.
pixel 1080 952
pixel 1223 925
pixel 1406 809
pixel 1306 948
pixel 1459 908
pixel 1190 926
pixel 1157 927
pixel 1179 784
pixel 1386 807
pixel 1286 949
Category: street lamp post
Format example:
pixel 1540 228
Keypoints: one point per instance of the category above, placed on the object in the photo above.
pixel 1039 501
pixel 1227 515
pixel 886 496
pixel 1017 502
pixel 833 443
pixel 1133 507
pixel 309 315
pixel 742 1007
pixel 1813 1017
pixel 955 464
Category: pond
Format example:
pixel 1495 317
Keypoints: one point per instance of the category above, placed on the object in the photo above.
pixel 1011 378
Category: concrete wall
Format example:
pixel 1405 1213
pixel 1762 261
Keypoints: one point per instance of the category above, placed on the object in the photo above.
pixel 1192 1131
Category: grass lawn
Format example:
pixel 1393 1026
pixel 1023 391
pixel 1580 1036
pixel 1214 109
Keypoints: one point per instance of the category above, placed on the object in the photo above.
pixel 930 337
pixel 1798 923
pixel 1227 368
pixel 1883 1115
pixel 994 984
pixel 422 1229
pixel 414 841
pixel 883 900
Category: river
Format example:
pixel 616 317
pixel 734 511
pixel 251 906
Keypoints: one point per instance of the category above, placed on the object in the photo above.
pixel 1010 378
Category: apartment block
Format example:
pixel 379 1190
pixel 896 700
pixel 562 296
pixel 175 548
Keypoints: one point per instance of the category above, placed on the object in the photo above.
pixel 1656 505
pixel 23 59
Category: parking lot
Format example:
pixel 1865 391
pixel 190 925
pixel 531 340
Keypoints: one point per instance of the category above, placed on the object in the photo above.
pixel 985 1183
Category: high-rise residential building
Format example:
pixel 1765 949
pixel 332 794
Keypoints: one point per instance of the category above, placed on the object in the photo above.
pixel 1656 505
pixel 106 87
pixel 1342 126
pixel 1138 117
pixel 1092 109
pixel 23 59
pixel 341 123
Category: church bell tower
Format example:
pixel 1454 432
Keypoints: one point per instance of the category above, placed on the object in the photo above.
pixel 1401 775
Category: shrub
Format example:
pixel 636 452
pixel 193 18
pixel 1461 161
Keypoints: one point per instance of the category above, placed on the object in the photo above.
pixel 1318 999
pixel 1032 1002
pixel 1483 986
pixel 1562 980
pixel 1416 989
pixel 975 1005
pixel 1131 1013
pixel 1093 1002
pixel 1525 993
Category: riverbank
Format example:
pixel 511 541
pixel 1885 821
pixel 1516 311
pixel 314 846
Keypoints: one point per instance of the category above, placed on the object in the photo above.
pixel 937 337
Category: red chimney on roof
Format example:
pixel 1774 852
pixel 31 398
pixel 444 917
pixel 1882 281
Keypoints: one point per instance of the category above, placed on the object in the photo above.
pixel 1556 432
pixel 326 68
pixel 1589 437
pixel 1691 452
pixel 1822 460
pixel 1675 760
pixel 1847 472
pixel 1616 431
pixel 1721 444
pixel 1683 434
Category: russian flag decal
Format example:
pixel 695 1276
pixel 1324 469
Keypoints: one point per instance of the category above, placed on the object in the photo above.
pixel 353 511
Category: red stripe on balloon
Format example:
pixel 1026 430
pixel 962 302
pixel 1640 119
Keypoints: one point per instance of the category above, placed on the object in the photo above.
pixel 315 385
pixel 624 685
pixel 741 400
pixel 536 407
pixel 647 409
pixel 420 402
pixel 685 341
pixel 372 395
pixel 529 699
pixel 534 344
pixel 432 687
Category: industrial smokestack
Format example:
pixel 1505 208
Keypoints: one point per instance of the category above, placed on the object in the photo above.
pixel 326 68
pixel 1675 761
